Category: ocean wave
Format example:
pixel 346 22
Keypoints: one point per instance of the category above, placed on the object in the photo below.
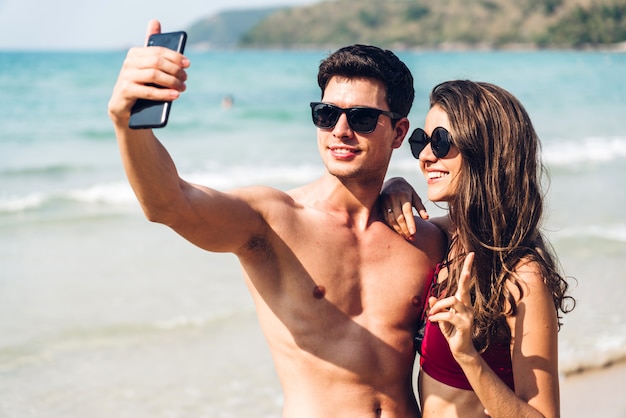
pixel 612 232
pixel 46 170
pixel 10 204
pixel 558 154
pixel 564 153
pixel 120 193
pixel 240 176
pixel 603 351
pixel 109 193
pixel 112 193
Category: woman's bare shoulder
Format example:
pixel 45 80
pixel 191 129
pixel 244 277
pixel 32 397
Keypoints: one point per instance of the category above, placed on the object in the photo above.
pixel 444 225
pixel 529 277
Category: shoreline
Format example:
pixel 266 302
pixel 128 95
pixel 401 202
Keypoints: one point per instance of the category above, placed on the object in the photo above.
pixel 594 392
pixel 618 359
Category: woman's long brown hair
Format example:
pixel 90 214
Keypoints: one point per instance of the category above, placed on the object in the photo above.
pixel 498 205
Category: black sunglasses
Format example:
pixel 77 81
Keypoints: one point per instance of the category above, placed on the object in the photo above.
pixel 440 142
pixel 360 119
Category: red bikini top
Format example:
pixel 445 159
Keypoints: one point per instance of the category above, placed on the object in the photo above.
pixel 437 361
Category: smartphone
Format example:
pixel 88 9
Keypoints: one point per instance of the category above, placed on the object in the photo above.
pixel 151 113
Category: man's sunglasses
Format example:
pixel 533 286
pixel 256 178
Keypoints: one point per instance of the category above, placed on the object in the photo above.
pixel 360 119
pixel 439 141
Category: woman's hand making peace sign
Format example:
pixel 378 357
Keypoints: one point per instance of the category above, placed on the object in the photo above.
pixel 455 314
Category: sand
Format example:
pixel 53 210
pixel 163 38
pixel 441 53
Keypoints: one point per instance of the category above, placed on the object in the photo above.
pixel 595 393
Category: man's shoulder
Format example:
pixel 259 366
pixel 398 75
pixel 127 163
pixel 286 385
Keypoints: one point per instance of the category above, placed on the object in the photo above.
pixel 430 237
pixel 262 195
pixel 273 205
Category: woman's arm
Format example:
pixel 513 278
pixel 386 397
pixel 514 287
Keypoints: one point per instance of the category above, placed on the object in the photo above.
pixel 534 333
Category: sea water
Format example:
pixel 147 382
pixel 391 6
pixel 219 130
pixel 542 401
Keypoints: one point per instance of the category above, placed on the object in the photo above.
pixel 104 314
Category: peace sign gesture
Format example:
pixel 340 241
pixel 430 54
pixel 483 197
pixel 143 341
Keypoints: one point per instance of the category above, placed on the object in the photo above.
pixel 455 314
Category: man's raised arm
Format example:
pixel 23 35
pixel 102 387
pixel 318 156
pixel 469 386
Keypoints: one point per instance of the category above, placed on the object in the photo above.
pixel 206 217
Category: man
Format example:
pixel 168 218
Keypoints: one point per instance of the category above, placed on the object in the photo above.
pixel 337 292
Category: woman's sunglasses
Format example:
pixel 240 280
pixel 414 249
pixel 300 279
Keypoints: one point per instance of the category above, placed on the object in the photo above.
pixel 360 119
pixel 440 142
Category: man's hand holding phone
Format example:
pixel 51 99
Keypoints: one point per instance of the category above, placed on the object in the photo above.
pixel 152 73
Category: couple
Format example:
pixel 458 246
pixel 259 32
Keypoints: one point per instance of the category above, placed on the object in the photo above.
pixel 339 294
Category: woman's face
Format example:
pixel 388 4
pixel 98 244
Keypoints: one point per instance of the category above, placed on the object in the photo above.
pixel 441 173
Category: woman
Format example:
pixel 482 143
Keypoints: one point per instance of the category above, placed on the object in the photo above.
pixel 490 339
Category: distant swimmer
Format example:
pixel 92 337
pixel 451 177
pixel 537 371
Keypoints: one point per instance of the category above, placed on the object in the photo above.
pixel 228 101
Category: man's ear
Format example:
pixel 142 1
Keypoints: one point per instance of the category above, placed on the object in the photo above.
pixel 401 130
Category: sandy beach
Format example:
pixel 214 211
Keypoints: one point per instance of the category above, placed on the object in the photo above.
pixel 595 393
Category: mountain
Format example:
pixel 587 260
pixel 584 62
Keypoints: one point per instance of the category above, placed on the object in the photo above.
pixel 422 24
pixel 226 29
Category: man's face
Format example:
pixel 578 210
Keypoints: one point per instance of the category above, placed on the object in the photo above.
pixel 349 154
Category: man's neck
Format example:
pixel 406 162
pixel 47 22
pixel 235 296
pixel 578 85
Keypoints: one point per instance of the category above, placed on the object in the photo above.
pixel 354 199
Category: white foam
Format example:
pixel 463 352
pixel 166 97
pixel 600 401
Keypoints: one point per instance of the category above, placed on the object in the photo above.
pixel 597 352
pixel 120 193
pixel 614 232
pixel 107 193
pixel 565 153
pixel 239 176
pixel 20 203
pixel 561 153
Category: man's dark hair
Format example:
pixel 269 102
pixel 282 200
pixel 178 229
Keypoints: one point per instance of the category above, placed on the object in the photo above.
pixel 371 62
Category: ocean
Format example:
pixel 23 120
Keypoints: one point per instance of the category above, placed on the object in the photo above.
pixel 105 314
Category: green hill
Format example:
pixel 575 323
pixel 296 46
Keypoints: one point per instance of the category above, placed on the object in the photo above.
pixel 226 29
pixel 433 24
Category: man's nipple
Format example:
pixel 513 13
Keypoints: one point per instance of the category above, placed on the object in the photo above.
pixel 319 292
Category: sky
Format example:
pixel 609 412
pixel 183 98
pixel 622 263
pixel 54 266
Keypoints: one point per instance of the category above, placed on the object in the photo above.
pixel 104 24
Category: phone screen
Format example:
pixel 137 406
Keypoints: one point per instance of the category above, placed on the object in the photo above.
pixel 150 113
